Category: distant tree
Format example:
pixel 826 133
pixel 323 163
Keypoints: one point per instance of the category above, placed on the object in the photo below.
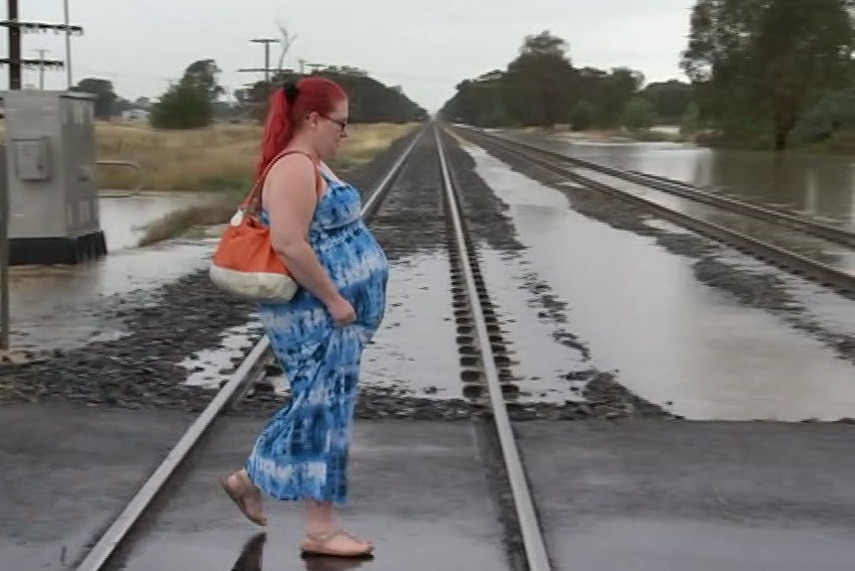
pixel 541 87
pixel 758 64
pixel 582 116
pixel 670 99
pixel 539 83
pixel 189 103
pixel 105 96
pixel 370 100
pixel 638 115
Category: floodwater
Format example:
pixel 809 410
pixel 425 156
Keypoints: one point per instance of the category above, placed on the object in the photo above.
pixel 415 349
pixel 817 185
pixel 57 306
pixel 671 340
pixel 814 248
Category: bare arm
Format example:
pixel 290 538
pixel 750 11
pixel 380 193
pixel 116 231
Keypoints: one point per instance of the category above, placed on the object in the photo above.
pixel 290 197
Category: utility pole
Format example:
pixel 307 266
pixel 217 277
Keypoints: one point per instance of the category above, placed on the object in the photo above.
pixel 266 70
pixel 41 52
pixel 16 27
pixel 67 24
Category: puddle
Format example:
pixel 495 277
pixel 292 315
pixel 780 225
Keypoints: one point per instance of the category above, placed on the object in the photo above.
pixel 540 361
pixel 673 341
pixel 415 349
pixel 58 306
pixel 209 368
pixel 124 218
pixel 816 249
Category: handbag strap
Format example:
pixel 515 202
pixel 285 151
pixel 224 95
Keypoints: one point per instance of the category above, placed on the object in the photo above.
pixel 253 199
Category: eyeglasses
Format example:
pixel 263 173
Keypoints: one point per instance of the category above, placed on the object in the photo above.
pixel 339 122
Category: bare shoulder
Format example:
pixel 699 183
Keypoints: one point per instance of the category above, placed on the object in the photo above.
pixel 294 174
pixel 297 167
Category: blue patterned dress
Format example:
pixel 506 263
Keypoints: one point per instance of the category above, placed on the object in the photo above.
pixel 302 451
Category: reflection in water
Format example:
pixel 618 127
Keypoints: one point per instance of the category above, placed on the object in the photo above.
pixel 251 557
pixel 124 219
pixel 822 186
pixel 251 554
pixel 673 341
pixel 58 307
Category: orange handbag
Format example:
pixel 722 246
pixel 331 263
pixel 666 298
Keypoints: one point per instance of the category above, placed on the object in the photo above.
pixel 244 263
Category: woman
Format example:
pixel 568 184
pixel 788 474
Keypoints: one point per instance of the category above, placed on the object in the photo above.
pixel 318 336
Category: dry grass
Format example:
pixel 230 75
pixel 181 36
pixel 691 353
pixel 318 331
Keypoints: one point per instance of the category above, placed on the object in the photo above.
pixel 180 221
pixel 221 158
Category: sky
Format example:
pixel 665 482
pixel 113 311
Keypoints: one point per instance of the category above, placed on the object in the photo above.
pixel 426 48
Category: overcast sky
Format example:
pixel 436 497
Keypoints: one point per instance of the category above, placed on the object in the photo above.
pixel 425 47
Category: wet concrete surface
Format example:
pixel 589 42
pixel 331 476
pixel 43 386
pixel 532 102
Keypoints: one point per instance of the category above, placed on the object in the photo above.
pixel 649 496
pixel 67 471
pixel 60 307
pixel 418 490
pixel 672 340
pixel 816 185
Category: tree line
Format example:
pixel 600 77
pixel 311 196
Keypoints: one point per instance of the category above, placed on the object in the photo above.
pixel 542 87
pixel 196 100
pixel 761 74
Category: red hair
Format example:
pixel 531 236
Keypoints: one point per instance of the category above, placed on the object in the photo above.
pixel 314 94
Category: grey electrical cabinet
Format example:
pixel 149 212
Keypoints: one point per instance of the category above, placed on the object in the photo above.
pixel 50 168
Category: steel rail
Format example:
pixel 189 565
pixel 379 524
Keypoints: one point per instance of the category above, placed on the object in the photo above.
pixel 820 272
pixel 533 542
pixel 691 192
pixel 251 369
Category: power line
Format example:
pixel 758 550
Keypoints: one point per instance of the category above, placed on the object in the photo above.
pixel 16 28
pixel 266 70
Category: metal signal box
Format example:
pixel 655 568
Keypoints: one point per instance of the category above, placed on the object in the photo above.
pixel 52 191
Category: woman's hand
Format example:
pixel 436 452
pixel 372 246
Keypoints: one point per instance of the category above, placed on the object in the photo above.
pixel 342 312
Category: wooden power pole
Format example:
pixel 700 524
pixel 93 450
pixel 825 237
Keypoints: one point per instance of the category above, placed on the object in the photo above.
pixel 16 28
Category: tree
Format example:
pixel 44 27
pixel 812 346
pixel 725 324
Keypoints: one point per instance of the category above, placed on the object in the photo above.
pixel 189 104
pixel 582 116
pixel 758 64
pixel 370 100
pixel 202 76
pixel 670 99
pixel 105 96
pixel 638 115
pixel 541 87
pixel 539 83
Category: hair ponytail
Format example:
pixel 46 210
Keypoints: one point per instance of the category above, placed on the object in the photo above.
pixel 278 128
pixel 311 94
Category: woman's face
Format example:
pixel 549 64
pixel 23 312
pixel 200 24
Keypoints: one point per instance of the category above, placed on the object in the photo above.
pixel 331 129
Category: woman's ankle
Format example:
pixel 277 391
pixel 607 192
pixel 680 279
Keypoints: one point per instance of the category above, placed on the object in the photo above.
pixel 320 518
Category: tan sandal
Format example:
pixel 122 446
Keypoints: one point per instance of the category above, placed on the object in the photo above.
pixel 317 545
pixel 240 496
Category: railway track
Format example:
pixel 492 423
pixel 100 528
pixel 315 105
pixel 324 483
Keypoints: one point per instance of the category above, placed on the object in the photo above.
pixel 840 277
pixel 483 369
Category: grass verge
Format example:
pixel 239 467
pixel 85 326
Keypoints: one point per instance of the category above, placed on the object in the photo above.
pixel 234 174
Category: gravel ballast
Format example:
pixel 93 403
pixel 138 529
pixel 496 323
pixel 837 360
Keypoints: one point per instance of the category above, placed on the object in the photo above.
pixel 141 369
